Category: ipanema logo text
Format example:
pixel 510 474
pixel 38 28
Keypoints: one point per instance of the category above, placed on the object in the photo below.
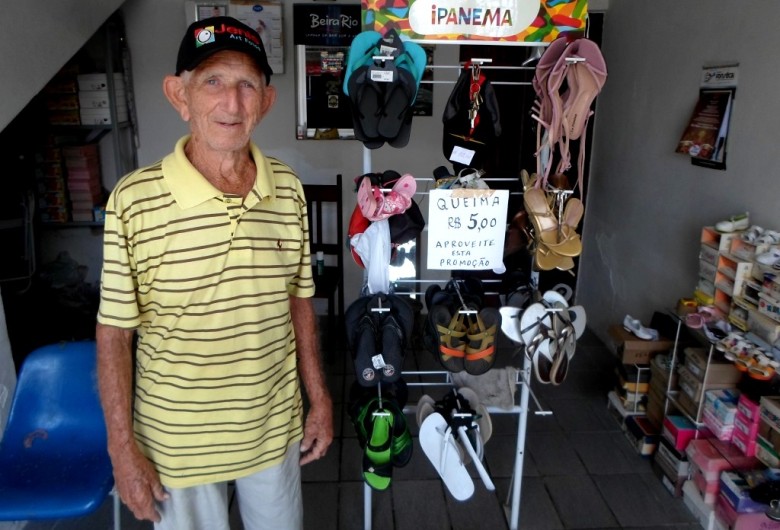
pixel 472 17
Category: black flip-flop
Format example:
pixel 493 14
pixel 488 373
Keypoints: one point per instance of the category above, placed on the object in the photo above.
pixel 361 337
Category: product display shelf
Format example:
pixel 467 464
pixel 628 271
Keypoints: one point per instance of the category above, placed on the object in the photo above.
pixel 672 396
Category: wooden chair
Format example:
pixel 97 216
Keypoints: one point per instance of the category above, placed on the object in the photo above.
pixel 325 209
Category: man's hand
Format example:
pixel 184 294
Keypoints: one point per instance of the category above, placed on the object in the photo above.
pixel 317 432
pixel 138 484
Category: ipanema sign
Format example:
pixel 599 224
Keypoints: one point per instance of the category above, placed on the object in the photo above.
pixel 476 20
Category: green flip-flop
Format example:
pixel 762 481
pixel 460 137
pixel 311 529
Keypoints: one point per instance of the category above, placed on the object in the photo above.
pixel 377 455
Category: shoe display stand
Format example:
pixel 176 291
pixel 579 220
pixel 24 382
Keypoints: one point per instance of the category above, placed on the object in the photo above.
pixel 443 378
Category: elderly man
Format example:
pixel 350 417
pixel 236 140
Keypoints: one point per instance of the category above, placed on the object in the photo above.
pixel 207 265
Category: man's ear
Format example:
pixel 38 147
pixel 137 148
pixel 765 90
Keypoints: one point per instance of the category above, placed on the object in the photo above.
pixel 173 88
pixel 269 97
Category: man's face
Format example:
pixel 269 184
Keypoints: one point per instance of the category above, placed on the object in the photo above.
pixel 225 97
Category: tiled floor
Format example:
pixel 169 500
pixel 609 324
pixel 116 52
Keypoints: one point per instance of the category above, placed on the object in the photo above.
pixel 579 469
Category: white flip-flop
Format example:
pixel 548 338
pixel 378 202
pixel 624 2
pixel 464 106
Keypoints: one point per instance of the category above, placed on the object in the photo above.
pixel 578 319
pixel 438 443
pixel 555 299
pixel 510 323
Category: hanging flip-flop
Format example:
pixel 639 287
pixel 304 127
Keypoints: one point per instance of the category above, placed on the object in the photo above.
pixel 510 323
pixel 481 349
pixel 451 331
pixel 438 444
pixel 377 455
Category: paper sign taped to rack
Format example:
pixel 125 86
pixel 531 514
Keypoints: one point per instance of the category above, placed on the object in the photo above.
pixel 466 229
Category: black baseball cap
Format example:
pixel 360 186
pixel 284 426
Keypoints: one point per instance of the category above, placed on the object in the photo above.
pixel 211 35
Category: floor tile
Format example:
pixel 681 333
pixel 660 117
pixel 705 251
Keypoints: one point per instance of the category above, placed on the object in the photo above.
pixel 605 453
pixel 554 454
pixel 420 504
pixel 578 502
pixel 635 502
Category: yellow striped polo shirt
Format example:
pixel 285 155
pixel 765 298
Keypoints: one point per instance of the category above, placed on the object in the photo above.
pixel 205 277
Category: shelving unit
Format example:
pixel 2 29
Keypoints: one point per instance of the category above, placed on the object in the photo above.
pixel 103 115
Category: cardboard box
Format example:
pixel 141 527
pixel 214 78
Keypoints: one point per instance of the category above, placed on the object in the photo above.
pixel 770 434
pixel 674 461
pixel 99 99
pixel 769 410
pixel 718 429
pixel 642 434
pixel 743 521
pixel 672 482
pixel 660 373
pixel 703 512
pixel 735 486
pixel 722 404
pixel 694 387
pixel 633 350
pixel 679 431
pixel 100 116
pixel 99 81
pixel 743 443
pixel 720 370
pixel 744 425
pixel 748 407
pixel 766 452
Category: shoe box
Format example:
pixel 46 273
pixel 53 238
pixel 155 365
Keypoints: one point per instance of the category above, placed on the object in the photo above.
pixel 642 435
pixel 673 462
pixel 704 513
pixel 708 458
pixel 720 371
pixel 671 467
pixel 679 431
pixel 735 486
pixel 633 350
pixel 734 520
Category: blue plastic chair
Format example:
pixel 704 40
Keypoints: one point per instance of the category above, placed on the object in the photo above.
pixel 54 461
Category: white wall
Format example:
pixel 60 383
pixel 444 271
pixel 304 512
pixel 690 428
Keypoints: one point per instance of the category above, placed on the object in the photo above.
pixel 646 203
pixel 37 41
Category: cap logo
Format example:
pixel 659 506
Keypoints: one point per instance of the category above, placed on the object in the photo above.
pixel 204 36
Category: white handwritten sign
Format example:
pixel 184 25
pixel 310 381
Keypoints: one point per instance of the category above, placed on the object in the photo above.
pixel 466 229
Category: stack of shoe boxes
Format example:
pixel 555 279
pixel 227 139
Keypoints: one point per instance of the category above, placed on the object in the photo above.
pixel 632 386
pixel 709 459
pixel 60 97
pixel 671 466
pixel 660 374
pixel 631 394
pixel 50 182
pixel 734 507
pixel 720 373
pixel 720 412
pixel 82 164
pixel 95 102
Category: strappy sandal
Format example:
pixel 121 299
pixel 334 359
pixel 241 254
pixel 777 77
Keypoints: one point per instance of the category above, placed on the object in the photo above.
pixel 480 349
pixel 546 224
pixel 451 331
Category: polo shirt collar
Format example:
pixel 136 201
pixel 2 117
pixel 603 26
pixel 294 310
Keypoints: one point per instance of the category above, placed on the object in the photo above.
pixel 190 188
